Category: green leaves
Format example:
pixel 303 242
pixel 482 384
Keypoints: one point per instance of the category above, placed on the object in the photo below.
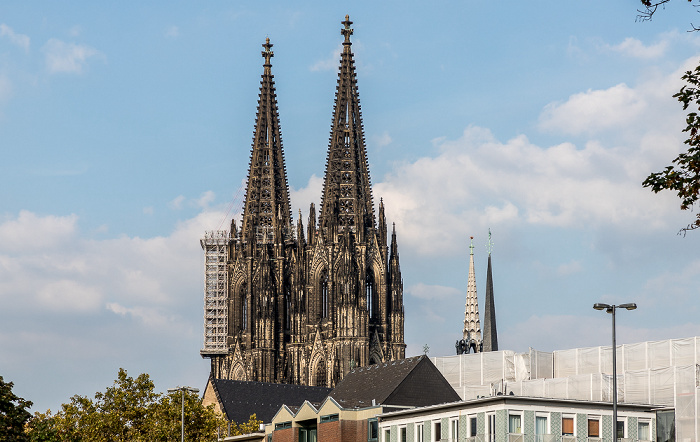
pixel 13 413
pixel 129 410
pixel 683 176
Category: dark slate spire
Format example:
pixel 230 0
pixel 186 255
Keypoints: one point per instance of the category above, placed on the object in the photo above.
pixel 347 195
pixel 267 209
pixel 489 332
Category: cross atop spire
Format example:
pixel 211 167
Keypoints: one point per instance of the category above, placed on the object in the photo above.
pixel 347 31
pixel 471 245
pixel 267 54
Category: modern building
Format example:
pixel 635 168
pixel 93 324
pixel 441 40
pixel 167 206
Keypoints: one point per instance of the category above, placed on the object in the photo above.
pixel 665 373
pixel 288 303
pixel 349 413
pixel 518 419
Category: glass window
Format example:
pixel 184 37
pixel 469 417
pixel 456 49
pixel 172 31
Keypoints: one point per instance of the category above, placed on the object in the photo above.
pixel 402 434
pixel 620 429
pixel 372 430
pixel 593 428
pixel 643 431
pixel 540 428
pixel 665 426
pixel 329 418
pixel 419 433
pixel 567 426
pixel 454 430
pixel 387 435
pixel 514 423
pixel 472 426
pixel 437 433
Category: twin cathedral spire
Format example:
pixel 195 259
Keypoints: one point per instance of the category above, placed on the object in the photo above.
pixel 289 304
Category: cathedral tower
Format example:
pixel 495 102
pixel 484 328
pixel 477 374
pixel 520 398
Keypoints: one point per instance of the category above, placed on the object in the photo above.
pixel 296 305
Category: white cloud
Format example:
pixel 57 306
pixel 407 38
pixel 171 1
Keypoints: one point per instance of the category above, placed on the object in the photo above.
pixel 382 140
pixel 148 210
pixel 205 199
pixel 302 198
pixel 172 32
pixel 62 57
pixel 177 202
pixel 330 63
pixel 594 110
pixel 633 47
pixel 569 268
pixel 30 232
pixel 20 40
pixel 69 296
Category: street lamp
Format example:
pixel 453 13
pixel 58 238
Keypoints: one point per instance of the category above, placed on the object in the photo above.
pixel 611 309
pixel 183 389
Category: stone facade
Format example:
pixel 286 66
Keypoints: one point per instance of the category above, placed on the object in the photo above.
pixel 306 304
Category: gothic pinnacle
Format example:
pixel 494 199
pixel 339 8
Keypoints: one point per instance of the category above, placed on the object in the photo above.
pixel 267 54
pixel 347 31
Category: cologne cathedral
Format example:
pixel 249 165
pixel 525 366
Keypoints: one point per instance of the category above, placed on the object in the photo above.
pixel 289 303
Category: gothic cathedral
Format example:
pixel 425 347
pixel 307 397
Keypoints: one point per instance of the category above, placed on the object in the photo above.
pixel 286 303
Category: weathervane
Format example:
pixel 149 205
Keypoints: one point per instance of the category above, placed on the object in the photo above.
pixel 471 245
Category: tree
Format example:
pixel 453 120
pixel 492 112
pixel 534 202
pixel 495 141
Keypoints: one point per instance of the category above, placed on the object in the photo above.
pixel 651 6
pixel 683 176
pixel 13 413
pixel 129 410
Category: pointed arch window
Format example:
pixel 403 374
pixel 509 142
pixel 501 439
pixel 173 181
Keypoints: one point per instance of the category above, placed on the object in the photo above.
pixel 244 307
pixel 321 374
pixel 369 285
pixel 288 310
pixel 324 294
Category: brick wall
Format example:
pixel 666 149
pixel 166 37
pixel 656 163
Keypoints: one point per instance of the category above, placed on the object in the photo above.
pixel 329 431
pixel 286 435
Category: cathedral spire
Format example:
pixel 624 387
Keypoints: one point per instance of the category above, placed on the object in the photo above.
pixel 490 334
pixel 472 328
pixel 347 194
pixel 267 208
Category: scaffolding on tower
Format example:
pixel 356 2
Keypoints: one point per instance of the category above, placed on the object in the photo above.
pixel 215 246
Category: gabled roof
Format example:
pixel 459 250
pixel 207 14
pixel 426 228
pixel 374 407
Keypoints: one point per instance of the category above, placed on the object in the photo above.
pixel 408 382
pixel 240 399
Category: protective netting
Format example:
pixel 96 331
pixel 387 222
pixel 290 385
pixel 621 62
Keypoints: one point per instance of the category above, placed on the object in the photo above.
pixel 664 373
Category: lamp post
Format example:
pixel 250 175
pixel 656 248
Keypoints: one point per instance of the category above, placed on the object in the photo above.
pixel 611 309
pixel 182 390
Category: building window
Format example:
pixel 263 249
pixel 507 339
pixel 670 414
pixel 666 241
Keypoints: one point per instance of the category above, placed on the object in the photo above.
pixel 329 418
pixel 402 434
pixel 372 430
pixel 665 424
pixel 567 426
pixel 643 431
pixel 472 426
pixel 419 433
pixel 437 431
pixel 454 429
pixel 370 295
pixel 594 427
pixel 515 423
pixel 540 428
pixel 620 429
pixel 387 435
pixel 283 425
pixel 491 427
pixel 324 295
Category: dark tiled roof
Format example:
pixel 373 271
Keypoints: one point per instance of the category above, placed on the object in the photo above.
pixel 411 382
pixel 240 399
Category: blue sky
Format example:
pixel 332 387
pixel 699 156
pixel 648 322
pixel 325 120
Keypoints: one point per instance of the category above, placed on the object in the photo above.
pixel 125 133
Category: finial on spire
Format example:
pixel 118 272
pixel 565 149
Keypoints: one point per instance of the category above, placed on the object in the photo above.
pixel 471 245
pixel 489 244
pixel 347 31
pixel 268 54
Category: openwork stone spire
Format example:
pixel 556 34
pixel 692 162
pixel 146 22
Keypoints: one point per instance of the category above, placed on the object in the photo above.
pixel 347 193
pixel 490 333
pixel 267 210
pixel 472 328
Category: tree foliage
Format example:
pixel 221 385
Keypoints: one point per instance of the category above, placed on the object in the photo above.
pixel 129 410
pixel 13 413
pixel 649 8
